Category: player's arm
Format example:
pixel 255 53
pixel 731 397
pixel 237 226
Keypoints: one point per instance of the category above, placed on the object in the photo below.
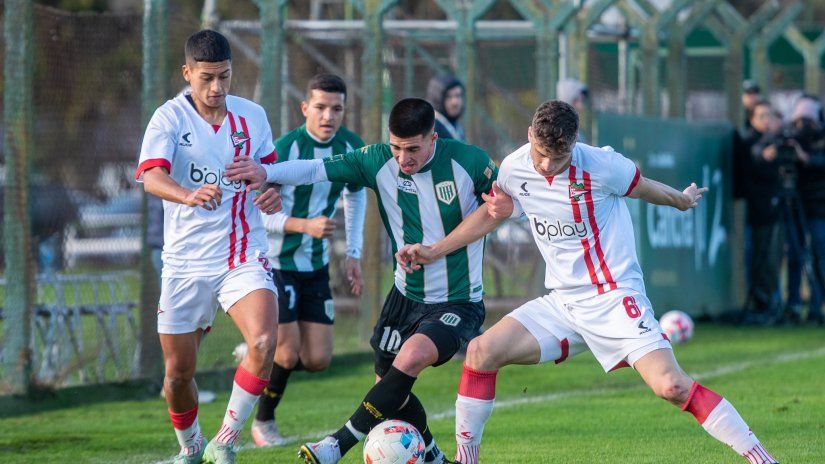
pixel 159 183
pixel 318 227
pixel 496 209
pixel 658 193
pixel 355 211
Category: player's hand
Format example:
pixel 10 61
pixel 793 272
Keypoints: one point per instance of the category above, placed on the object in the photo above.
pixel 248 170
pixel 208 196
pixel 412 257
pixel 269 202
pixel 499 204
pixel 320 227
pixel 692 196
pixel 353 268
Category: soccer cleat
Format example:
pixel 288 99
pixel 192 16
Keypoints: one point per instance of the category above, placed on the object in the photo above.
pixel 265 433
pixel 219 453
pixel 192 458
pixel 325 451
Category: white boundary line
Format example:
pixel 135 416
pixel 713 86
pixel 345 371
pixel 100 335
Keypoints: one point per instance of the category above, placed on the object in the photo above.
pixel 550 397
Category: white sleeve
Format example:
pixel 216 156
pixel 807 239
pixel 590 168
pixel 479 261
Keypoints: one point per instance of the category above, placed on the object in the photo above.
pixel 266 153
pixel 159 143
pixel 296 172
pixel 503 182
pixel 621 174
pixel 274 223
pixel 355 211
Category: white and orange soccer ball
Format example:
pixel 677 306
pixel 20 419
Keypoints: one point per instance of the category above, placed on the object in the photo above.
pixel 677 325
pixel 394 442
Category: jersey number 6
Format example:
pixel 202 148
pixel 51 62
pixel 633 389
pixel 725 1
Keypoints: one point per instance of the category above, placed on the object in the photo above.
pixel 633 311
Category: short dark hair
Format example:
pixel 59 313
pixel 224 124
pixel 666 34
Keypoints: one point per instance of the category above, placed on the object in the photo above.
pixel 327 83
pixel 556 126
pixel 411 117
pixel 207 46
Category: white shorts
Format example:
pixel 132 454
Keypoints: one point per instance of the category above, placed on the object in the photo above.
pixel 618 327
pixel 189 303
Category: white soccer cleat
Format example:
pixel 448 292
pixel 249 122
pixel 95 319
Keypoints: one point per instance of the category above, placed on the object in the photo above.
pixel 325 451
pixel 265 433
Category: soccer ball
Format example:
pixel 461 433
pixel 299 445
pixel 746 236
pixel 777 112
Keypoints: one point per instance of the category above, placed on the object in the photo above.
pixel 394 442
pixel 677 325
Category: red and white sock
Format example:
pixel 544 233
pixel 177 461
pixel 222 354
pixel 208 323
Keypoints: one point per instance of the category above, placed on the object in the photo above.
pixel 473 406
pixel 721 420
pixel 245 392
pixel 187 430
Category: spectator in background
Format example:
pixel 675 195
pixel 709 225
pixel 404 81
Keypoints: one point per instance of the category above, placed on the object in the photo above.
pixel 808 139
pixel 446 93
pixel 762 193
pixel 574 93
pixel 751 95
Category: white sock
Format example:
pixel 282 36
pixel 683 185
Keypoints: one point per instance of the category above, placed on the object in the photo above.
pixel 191 439
pixel 246 390
pixel 721 420
pixel 470 416
pixel 187 430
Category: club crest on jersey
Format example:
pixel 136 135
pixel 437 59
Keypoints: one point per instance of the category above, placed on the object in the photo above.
pixel 577 190
pixel 239 138
pixel 445 191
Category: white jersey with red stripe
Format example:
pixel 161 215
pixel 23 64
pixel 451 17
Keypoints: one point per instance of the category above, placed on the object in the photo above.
pixel 579 220
pixel 198 242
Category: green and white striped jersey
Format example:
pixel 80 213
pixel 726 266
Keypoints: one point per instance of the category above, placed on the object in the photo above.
pixel 301 252
pixel 424 208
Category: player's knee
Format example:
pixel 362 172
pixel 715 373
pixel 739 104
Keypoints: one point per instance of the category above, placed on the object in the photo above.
pixel 178 381
pixel 673 389
pixel 481 355
pixel 316 363
pixel 286 357
pixel 263 346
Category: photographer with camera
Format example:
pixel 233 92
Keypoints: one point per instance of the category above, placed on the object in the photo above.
pixel 804 142
pixel 763 196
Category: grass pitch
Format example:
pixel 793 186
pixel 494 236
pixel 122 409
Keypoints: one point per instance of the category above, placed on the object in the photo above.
pixel 571 413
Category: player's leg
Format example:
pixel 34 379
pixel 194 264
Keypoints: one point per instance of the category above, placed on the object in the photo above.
pixel 507 342
pixel 185 309
pixel 387 396
pixel 181 393
pixel 264 428
pixel 717 416
pixel 248 296
pixel 533 333
pixel 316 346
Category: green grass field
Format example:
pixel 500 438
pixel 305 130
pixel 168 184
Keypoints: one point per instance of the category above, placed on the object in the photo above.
pixel 572 413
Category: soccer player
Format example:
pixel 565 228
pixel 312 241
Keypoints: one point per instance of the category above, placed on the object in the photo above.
pixel 572 195
pixel 425 187
pixel 299 247
pixel 214 240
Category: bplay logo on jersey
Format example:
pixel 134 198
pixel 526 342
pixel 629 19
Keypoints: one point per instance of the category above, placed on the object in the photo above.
pixel 552 231
pixel 205 175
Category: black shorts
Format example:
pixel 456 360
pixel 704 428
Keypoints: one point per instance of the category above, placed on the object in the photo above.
pixel 448 325
pixel 304 296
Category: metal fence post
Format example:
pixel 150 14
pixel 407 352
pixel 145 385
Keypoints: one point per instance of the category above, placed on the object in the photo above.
pixel 20 49
pixel 153 93
pixel 371 131
pixel 272 52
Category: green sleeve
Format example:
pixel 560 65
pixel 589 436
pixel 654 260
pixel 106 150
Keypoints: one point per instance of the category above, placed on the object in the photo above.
pixel 358 167
pixel 355 142
pixel 481 168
